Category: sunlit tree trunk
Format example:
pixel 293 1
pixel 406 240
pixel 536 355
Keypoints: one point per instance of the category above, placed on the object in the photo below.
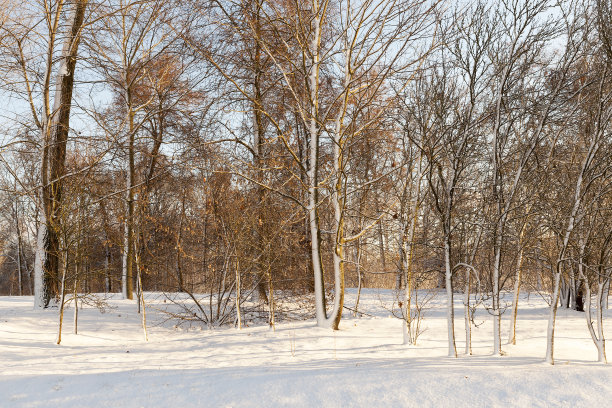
pixel 55 136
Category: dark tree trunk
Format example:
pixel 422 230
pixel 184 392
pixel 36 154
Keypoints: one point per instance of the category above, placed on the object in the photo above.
pixel 55 136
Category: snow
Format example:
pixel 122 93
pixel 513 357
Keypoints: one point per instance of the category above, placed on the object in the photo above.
pixel 108 364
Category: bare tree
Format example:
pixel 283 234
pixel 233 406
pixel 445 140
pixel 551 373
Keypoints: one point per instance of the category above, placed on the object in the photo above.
pixel 594 101
pixel 60 25
pixel 128 56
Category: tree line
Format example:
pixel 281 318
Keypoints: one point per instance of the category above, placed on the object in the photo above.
pixel 242 151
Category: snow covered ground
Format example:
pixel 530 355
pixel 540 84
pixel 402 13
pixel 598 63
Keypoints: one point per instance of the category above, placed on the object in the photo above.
pixel 108 364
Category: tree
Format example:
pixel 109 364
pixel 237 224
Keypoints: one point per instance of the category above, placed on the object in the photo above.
pixel 49 21
pixel 134 59
pixel 593 100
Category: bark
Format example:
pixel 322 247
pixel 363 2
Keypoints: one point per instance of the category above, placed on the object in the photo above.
pixel 601 343
pixel 469 268
pixel 55 137
pixel 19 246
pixel 179 248
pixel 597 334
pixel 359 277
pixel 143 197
pixel 408 258
pixel 263 278
pixel 381 243
pixel 450 308
pixel 62 299
pixel 238 296
pixel 579 299
pixel 107 260
pixel 517 285
pixel 75 296
pixel 141 300
pixel 515 297
pixel 313 169
pixel 127 279
pixel 564 293
pixel 498 242
pixel 467 317
pixel 338 200
pixel 271 305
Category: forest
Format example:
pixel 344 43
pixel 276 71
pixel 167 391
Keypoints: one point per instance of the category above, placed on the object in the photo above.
pixel 234 156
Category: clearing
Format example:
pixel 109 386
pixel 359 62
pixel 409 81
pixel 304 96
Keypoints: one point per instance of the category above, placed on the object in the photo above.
pixel 108 364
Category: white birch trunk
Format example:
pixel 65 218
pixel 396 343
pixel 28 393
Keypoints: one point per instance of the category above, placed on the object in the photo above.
pixel 107 281
pixel 313 164
pixel 128 232
pixel 450 308
pixel 601 341
pixel 144 310
pixel 238 317
pixel 517 285
pixel 40 287
pixel 497 350
pixel 75 327
pixel 467 317
pixel 124 263
pixel 550 332
pixel 596 335
pixel 359 279
pixel 515 298
pixel 19 262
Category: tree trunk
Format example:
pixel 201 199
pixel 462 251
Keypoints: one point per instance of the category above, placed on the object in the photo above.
pixel 450 308
pixel 359 277
pixel 238 295
pixel 550 332
pixel 468 320
pixel 179 248
pixel 259 160
pixel 271 305
pixel 313 169
pixel 107 279
pixel 75 296
pixel 601 343
pixel 517 291
pixel 596 335
pixel 409 338
pixel 127 280
pixel 338 200
pixel 55 137
pixel 141 300
pixel 571 223
pixel 497 350
pixel 381 243
pixel 62 300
